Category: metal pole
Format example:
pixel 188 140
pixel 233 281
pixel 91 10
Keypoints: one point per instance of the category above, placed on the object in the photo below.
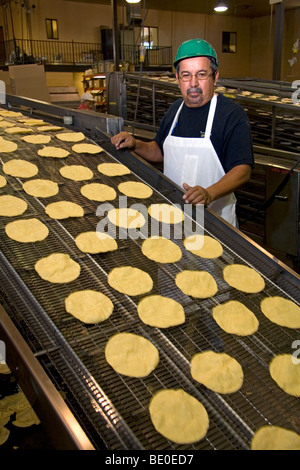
pixel 278 39
pixel 115 35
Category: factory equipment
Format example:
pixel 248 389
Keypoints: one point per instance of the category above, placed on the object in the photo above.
pixel 274 114
pixel 110 410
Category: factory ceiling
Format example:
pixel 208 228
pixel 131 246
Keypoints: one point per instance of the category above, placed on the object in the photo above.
pixel 243 8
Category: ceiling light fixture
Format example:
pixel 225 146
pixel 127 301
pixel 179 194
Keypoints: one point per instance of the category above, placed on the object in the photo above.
pixel 221 7
pixel 133 1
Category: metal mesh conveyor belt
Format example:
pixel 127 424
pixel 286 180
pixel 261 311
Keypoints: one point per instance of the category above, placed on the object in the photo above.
pixel 113 409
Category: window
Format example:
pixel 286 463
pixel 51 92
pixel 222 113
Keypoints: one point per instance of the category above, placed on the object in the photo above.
pixel 51 29
pixel 229 42
pixel 149 37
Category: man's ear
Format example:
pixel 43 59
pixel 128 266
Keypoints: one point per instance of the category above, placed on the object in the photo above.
pixel 217 77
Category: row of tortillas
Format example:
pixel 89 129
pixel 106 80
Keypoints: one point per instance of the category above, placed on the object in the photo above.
pixel 279 310
pixel 228 367
pixel 176 414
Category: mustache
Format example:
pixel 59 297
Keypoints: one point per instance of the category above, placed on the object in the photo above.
pixel 195 89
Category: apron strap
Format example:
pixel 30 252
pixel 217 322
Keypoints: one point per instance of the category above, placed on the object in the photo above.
pixel 210 117
pixel 175 119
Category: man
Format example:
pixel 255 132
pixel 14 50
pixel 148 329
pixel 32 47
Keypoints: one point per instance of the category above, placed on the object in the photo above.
pixel 87 101
pixel 204 140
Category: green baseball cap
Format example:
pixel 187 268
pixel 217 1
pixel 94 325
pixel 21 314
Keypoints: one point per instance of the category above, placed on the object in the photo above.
pixel 194 48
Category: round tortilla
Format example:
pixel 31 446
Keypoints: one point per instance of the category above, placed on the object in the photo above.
pixel 281 311
pixel 203 246
pixel 63 210
pixel 6 146
pixel 20 168
pixel 113 169
pixel 87 148
pixel 286 374
pixel 76 172
pixel 131 355
pixel 135 189
pixel 17 130
pixel 11 206
pixel 49 128
pixel 130 281
pixel 57 268
pixel 166 213
pixel 53 152
pixel 98 192
pixel 217 371
pixel 160 312
pixel 178 416
pixel 27 230
pixel 89 306
pixel 41 188
pixel 31 121
pixel 3 181
pixel 275 438
pixel 198 284
pixel 243 278
pixel 37 139
pixel 6 124
pixel 235 318
pixel 95 242
pixel 71 136
pixel 126 218
pixel 8 113
pixel 161 250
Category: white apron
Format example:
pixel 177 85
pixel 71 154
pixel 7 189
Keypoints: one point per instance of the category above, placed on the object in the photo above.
pixel 194 161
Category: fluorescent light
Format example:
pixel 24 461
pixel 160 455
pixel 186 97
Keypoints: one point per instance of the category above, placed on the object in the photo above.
pixel 221 7
pixel 133 1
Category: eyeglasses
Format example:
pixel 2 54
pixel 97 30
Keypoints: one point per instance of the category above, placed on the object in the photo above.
pixel 187 76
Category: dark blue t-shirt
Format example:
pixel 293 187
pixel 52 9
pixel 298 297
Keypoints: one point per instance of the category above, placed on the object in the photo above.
pixel 231 133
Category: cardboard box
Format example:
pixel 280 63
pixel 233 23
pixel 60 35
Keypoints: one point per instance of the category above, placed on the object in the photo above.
pixel 4 77
pixel 29 81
